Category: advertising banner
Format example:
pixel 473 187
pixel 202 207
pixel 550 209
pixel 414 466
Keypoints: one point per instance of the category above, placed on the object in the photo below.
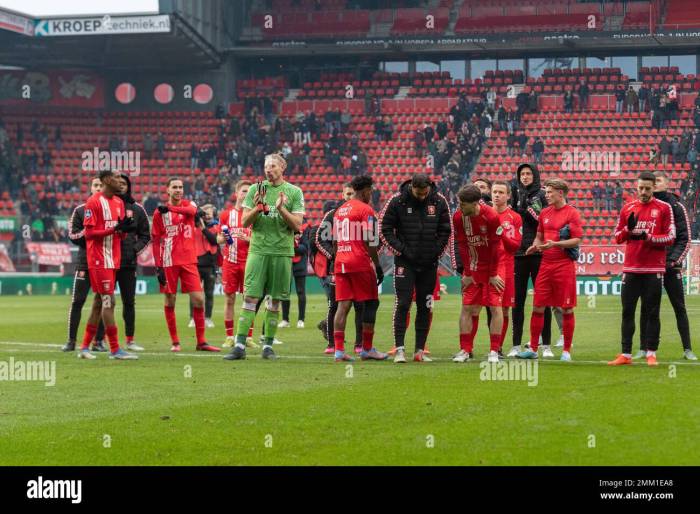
pixel 102 25
pixel 54 88
pixel 50 254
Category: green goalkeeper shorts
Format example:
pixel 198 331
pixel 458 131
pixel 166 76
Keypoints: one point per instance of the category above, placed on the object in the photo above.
pixel 268 274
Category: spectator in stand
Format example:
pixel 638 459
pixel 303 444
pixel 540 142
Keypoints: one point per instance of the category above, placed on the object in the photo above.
pixel 538 150
pixel 522 144
pixel 643 96
pixel 568 102
pixel 510 123
pixel 147 146
pixel 522 102
pixel 491 99
pixel 675 150
pixel 160 145
pixel 501 116
pixel 631 100
pixel 378 129
pixel 696 117
pixel 419 142
pixel 664 149
pixel 619 99
pixel 619 196
pixel 609 196
pixel 388 128
pixel 583 94
pixel 306 129
pixel 345 121
pixel 328 120
pixel 597 194
pixel 532 102
pixel 510 144
pixel 429 133
pixel 441 128
pixel 692 157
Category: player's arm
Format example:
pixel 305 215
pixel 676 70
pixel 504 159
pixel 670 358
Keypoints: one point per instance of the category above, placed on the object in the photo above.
pixel 681 246
pixel 324 235
pixel 251 206
pixel 143 230
pixel 498 254
pixel 76 231
pixel 512 244
pixel 388 226
pixel 444 230
pixel 303 247
pixel 156 236
pixel 621 231
pixel 460 262
pixel 92 220
pixel 188 210
pixel 294 218
pixel 667 235
pixel 537 243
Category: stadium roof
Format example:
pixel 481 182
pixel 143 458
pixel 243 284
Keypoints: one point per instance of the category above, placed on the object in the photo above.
pixel 179 48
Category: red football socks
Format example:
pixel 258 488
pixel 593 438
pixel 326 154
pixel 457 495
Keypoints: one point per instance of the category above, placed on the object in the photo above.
pixel 504 331
pixel 568 325
pixel 111 333
pixel 172 324
pixel 367 337
pixel 90 331
pixel 536 326
pixel 228 323
pixel 198 316
pixel 339 340
pixel 466 342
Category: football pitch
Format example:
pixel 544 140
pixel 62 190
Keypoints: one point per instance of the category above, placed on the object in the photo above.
pixel 304 409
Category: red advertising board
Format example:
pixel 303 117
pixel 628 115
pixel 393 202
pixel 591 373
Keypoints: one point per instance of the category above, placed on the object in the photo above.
pixel 600 260
pixel 55 88
pixel 145 258
pixel 49 254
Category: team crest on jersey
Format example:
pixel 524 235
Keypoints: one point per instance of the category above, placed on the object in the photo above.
pixel 654 213
pixel 88 213
pixel 499 230
pixel 431 210
pixel 399 271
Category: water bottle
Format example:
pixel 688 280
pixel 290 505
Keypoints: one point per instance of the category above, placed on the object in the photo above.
pixel 227 234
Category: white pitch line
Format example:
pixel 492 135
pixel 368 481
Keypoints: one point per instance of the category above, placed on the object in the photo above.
pixel 314 357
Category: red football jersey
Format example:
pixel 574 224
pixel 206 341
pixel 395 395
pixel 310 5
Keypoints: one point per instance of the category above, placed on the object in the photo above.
pixel 102 213
pixel 656 219
pixel 478 240
pixel 512 236
pixel 354 224
pixel 173 236
pixel 552 220
pixel 238 251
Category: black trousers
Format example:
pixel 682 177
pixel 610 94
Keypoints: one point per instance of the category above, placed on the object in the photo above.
pixel 406 281
pixel 526 267
pixel 673 284
pixel 207 275
pixel 330 316
pixel 646 286
pixel 126 278
pixel 300 286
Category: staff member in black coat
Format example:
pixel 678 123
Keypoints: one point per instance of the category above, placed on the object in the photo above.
pixel 81 281
pixel 299 263
pixel 137 238
pixel 675 255
pixel 416 226
pixel 528 200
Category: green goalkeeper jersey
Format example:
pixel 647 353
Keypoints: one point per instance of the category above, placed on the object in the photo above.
pixel 271 235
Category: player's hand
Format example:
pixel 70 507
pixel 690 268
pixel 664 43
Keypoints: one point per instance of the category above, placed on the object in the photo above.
pixel 466 282
pixel 160 273
pixel 163 209
pixel 408 256
pixel 258 198
pixel 631 222
pixel 281 200
pixel 498 283
pixel 532 249
pixel 638 236
pixel 125 225
pixel 380 274
pixel 546 246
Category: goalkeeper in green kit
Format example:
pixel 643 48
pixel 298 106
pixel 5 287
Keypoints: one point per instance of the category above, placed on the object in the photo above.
pixel 275 210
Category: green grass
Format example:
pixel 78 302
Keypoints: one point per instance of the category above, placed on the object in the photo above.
pixel 315 415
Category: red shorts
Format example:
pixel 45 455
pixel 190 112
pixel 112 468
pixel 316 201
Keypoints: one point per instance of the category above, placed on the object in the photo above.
pixel 232 275
pixel 483 294
pixel 359 286
pixel 556 285
pixel 509 291
pixel 102 280
pixel 188 274
pixel 436 291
